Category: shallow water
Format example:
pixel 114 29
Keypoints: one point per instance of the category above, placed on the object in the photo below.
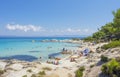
pixel 24 46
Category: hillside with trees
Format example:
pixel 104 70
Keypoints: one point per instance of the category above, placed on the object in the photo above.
pixel 110 31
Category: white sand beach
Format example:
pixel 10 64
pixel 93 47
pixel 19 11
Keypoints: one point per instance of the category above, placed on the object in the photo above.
pixel 65 68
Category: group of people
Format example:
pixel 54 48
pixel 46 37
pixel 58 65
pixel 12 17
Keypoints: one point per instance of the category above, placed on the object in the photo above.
pixel 72 59
pixel 56 62
pixel 66 51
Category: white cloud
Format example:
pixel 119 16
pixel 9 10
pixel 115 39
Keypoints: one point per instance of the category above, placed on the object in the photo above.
pixel 69 30
pixel 73 30
pixel 86 30
pixel 54 31
pixel 24 28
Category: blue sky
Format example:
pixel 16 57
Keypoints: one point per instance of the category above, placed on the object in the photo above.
pixel 54 17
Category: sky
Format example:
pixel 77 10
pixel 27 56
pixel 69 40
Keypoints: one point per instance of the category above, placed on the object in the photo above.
pixel 54 17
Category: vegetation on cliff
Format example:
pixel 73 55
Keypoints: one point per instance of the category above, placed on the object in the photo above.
pixel 109 31
pixel 79 72
pixel 112 68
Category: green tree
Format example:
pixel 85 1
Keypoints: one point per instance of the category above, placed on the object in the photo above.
pixel 90 38
pixel 108 29
pixel 98 35
pixel 116 22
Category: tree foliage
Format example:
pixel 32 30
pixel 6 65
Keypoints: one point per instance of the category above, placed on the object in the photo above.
pixel 116 19
pixel 110 29
pixel 98 35
pixel 112 44
pixel 87 39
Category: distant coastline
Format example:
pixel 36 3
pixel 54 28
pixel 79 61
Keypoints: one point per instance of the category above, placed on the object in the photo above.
pixel 65 36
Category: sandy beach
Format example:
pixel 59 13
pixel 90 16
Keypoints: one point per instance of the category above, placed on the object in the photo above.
pixel 59 38
pixel 65 68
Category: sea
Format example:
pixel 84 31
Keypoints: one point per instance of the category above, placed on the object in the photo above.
pixel 32 48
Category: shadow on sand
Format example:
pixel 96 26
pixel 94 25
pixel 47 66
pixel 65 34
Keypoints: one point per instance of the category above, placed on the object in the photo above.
pixel 100 63
pixel 53 55
pixel 20 57
pixel 103 75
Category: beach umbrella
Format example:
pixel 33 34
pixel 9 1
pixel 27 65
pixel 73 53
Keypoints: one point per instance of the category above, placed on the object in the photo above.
pixel 86 50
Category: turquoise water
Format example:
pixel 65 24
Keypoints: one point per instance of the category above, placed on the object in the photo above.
pixel 25 46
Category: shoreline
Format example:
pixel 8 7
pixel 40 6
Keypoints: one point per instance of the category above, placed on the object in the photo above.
pixel 64 66
pixel 33 51
pixel 19 57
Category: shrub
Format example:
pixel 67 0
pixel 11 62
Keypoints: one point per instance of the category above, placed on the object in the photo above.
pixel 104 58
pixel 117 71
pixel 112 44
pixel 24 76
pixel 104 69
pixel 82 68
pixel 47 68
pixel 91 66
pixel 42 73
pixel 1 72
pixel 111 69
pixel 29 70
pixel 33 75
pixel 118 59
pixel 79 72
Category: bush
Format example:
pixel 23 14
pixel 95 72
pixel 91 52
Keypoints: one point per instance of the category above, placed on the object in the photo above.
pixel 24 76
pixel 1 72
pixel 111 69
pixel 33 75
pixel 91 66
pixel 79 72
pixel 118 59
pixel 112 44
pixel 104 58
pixel 42 73
pixel 47 68
pixel 29 70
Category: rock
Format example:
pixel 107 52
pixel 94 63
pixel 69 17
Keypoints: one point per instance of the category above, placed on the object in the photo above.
pixel 2 65
pixel 16 66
